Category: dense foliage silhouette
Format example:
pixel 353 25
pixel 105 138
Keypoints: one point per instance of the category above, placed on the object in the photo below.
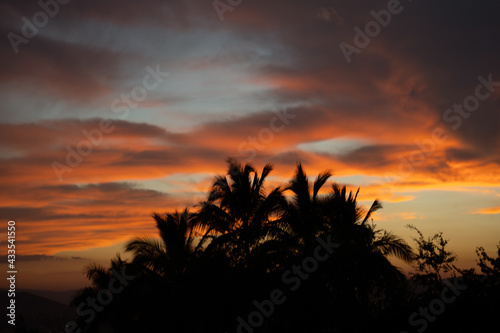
pixel 212 263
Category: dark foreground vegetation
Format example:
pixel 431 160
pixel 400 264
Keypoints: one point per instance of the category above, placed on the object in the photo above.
pixel 249 259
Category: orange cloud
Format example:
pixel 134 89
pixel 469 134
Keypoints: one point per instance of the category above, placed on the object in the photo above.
pixel 381 216
pixel 488 211
pixel 100 202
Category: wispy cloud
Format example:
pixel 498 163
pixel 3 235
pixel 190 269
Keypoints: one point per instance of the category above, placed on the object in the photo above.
pixel 44 257
pixel 488 211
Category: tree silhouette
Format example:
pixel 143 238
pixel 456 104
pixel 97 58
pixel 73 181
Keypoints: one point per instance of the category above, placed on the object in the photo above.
pixel 488 265
pixel 303 218
pixel 96 316
pixel 237 215
pixel 171 255
pixel 432 260
pixel 362 277
pixel 209 267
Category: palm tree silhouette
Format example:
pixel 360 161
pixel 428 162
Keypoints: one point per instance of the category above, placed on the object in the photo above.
pixel 303 217
pixel 100 278
pixel 237 215
pixel 348 221
pixel 363 277
pixel 171 254
pixel 236 247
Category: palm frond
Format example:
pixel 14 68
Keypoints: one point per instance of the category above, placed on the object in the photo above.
pixel 376 205
pixel 320 181
pixel 390 244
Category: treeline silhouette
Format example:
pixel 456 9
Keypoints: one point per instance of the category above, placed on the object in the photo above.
pixel 250 259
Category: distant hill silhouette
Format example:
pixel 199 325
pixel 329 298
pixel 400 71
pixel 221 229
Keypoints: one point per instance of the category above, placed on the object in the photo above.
pixel 63 297
pixel 37 312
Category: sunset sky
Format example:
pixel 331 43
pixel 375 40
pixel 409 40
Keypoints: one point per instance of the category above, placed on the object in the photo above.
pixel 114 110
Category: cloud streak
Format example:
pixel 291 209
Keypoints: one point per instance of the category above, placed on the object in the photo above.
pixel 488 211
